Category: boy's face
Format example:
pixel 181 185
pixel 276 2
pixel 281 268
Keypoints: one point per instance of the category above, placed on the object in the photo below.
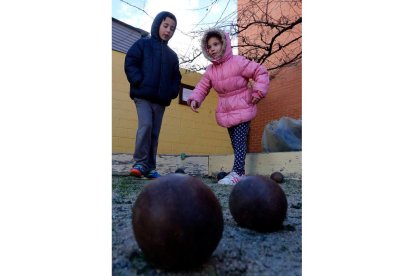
pixel 167 29
pixel 214 47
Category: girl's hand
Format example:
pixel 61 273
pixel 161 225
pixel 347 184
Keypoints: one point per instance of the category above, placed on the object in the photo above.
pixel 255 100
pixel 194 106
pixel 257 96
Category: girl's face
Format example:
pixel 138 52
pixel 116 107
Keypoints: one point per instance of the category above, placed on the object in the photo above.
pixel 214 47
pixel 167 29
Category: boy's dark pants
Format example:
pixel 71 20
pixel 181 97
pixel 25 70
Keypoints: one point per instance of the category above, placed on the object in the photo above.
pixel 149 126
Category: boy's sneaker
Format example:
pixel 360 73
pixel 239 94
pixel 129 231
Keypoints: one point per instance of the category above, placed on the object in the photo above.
pixel 152 174
pixel 136 170
pixel 231 179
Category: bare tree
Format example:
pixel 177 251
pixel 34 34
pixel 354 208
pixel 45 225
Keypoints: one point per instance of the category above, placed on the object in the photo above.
pixel 268 31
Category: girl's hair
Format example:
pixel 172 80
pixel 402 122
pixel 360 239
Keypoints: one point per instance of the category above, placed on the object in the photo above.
pixel 214 34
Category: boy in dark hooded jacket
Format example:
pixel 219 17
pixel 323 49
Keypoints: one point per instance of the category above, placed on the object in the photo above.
pixel 152 70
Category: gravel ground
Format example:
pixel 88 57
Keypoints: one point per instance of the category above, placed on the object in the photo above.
pixel 240 251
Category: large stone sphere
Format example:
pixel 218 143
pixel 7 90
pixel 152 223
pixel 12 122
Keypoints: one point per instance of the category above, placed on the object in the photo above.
pixel 177 222
pixel 258 203
pixel 277 176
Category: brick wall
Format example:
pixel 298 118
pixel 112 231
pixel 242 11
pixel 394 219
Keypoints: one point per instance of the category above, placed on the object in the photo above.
pixel 284 99
pixel 285 93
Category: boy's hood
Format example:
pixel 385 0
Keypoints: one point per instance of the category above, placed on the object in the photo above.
pixel 155 27
pixel 226 51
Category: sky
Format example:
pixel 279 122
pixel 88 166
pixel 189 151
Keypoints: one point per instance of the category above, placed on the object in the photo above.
pixel 188 13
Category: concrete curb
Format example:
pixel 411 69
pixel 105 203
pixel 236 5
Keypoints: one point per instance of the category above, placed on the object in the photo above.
pixel 288 163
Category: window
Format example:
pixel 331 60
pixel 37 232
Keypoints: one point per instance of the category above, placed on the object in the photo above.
pixel 185 91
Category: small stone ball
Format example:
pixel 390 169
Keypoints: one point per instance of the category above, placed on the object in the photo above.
pixel 277 176
pixel 259 204
pixel 221 175
pixel 180 170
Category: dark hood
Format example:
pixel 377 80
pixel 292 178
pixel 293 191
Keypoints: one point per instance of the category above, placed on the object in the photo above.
pixel 157 22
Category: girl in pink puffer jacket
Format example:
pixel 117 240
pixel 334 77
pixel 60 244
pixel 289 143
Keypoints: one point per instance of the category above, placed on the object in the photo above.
pixel 229 75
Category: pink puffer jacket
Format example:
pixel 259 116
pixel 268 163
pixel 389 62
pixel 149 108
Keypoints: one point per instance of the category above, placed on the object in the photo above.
pixel 229 75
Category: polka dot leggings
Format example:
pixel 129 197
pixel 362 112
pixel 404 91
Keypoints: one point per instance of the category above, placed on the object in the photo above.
pixel 238 136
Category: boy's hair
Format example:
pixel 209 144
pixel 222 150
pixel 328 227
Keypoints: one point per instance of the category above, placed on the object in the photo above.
pixel 170 15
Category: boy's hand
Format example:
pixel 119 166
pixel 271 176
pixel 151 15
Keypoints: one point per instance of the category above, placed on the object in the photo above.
pixel 194 106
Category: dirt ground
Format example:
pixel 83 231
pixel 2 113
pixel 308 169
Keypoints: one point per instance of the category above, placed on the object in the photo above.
pixel 240 251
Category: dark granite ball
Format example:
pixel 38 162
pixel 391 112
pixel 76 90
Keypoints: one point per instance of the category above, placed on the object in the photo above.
pixel 277 176
pixel 221 175
pixel 258 203
pixel 179 170
pixel 177 222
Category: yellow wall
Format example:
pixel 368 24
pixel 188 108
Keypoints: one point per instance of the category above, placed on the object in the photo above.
pixel 182 131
